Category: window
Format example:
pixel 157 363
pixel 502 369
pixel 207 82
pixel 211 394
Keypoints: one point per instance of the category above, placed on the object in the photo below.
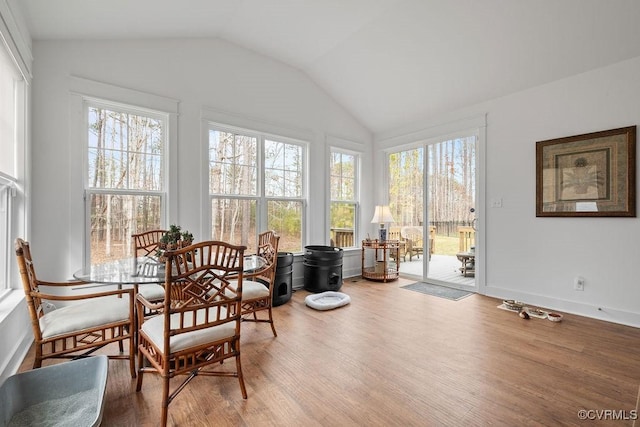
pixel 256 183
pixel 6 194
pixel 344 198
pixel 125 183
pixel 12 96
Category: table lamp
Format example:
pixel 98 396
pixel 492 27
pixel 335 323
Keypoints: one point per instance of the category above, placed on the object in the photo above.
pixel 382 215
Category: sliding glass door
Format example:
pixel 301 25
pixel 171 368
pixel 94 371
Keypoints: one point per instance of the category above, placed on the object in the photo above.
pixel 432 195
pixel 406 201
pixel 451 192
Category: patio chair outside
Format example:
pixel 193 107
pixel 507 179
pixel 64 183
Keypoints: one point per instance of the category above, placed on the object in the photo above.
pixel 414 239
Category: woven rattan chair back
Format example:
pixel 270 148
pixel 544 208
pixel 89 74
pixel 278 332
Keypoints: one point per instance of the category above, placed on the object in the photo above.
pixel 258 296
pixel 199 322
pixel 146 243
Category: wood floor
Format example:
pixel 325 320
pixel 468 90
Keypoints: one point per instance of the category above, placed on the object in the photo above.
pixel 395 357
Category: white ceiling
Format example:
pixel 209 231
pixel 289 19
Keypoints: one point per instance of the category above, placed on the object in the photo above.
pixel 389 62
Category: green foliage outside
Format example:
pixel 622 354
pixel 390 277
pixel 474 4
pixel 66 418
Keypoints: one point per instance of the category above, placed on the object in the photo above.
pixel 445 245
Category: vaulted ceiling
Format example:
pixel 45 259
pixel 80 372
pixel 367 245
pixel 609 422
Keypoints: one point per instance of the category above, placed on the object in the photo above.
pixel 389 62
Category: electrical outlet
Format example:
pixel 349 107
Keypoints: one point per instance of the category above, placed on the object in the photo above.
pixel 578 283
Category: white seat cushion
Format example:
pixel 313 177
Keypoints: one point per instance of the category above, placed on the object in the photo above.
pixel 327 300
pixel 154 330
pixel 252 289
pixel 84 315
pixel 151 291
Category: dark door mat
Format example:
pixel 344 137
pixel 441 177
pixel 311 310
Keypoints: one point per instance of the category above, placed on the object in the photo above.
pixel 438 291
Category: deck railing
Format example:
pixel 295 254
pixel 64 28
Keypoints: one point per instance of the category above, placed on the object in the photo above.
pixel 467 237
pixel 342 237
pixel 345 237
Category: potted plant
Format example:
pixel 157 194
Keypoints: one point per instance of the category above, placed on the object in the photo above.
pixel 173 239
pixel 187 239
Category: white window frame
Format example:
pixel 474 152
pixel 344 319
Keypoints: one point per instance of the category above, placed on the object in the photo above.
pixel 474 125
pixel 82 89
pixel 91 102
pixel 14 183
pixel 7 213
pixel 260 198
pixel 356 191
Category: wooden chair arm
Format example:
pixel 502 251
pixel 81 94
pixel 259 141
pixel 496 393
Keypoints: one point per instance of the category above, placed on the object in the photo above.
pixel 141 301
pixel 63 284
pixel 82 296
pixel 256 273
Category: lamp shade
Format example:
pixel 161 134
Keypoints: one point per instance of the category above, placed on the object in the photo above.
pixel 381 215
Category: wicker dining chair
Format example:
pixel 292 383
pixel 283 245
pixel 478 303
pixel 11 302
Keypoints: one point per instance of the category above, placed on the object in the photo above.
pixel 199 322
pixel 257 294
pixel 146 244
pixel 71 326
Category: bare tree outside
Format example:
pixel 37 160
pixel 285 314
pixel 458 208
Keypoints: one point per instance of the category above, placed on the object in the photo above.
pixel 236 196
pixel 452 184
pixel 233 172
pixel 342 172
pixel 284 192
pixel 406 172
pixel 451 189
pixel 125 179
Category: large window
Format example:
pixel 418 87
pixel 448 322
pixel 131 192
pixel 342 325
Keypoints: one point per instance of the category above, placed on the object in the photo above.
pixel 256 183
pixel 343 170
pixel 125 176
pixel 12 96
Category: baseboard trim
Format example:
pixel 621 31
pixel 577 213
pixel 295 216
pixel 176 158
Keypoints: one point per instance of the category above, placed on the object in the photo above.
pixel 581 309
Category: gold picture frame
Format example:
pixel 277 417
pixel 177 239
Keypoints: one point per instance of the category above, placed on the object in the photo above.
pixel 589 175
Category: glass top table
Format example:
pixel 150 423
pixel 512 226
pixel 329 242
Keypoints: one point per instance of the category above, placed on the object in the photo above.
pixel 138 271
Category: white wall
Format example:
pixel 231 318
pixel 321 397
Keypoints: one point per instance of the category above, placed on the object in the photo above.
pixel 536 259
pixel 209 78
pixel 542 263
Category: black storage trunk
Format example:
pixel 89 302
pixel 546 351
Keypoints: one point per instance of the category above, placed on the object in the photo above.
pixel 282 284
pixel 322 268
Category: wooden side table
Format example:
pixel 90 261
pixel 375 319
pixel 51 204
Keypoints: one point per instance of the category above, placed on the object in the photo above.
pixel 384 269
pixel 468 260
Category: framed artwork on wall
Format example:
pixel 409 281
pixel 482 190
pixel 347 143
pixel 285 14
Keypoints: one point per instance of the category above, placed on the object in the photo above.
pixel 587 175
